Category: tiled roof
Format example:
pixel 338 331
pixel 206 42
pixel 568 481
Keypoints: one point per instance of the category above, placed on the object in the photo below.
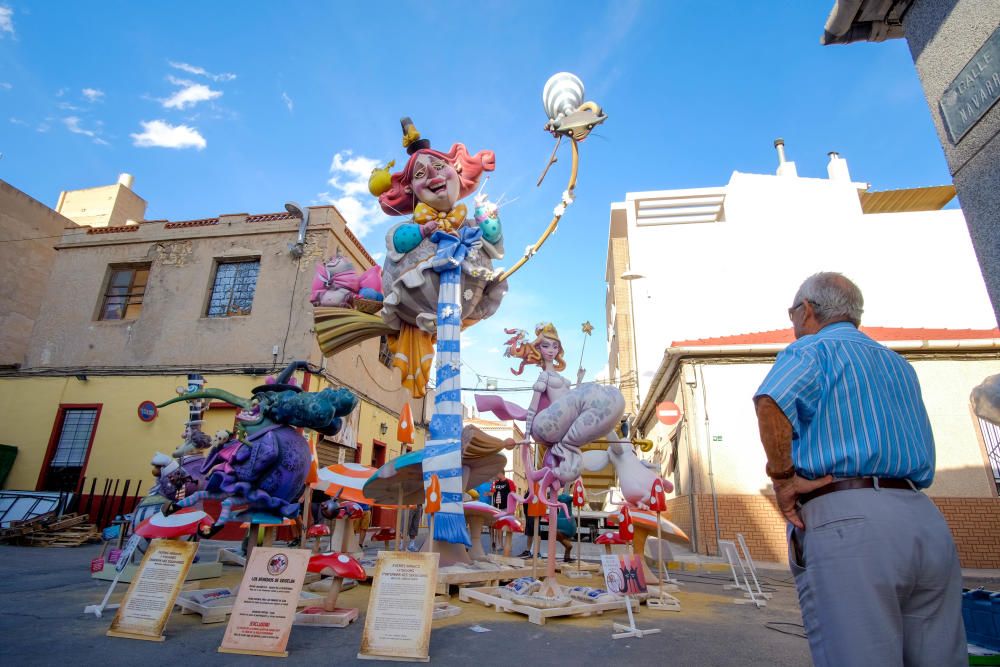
pixel 270 217
pixel 113 230
pixel 780 336
pixel 204 222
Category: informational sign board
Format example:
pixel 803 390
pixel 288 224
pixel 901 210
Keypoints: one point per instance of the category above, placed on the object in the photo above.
pixel 401 607
pixel 623 573
pixel 150 597
pixel 265 606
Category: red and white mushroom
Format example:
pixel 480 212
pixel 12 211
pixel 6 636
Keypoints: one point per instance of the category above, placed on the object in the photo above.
pixel 508 525
pixel 608 539
pixel 317 531
pixel 477 514
pixel 340 566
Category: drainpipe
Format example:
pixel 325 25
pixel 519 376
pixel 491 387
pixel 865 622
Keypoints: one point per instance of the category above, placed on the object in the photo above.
pixel 708 448
pixel 688 429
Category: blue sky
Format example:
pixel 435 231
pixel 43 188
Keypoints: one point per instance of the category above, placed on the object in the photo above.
pixel 229 107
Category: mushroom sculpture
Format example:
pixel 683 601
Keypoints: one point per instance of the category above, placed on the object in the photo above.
pixel 626 531
pixel 317 531
pixel 339 566
pixel 508 525
pixel 477 514
pixel 645 526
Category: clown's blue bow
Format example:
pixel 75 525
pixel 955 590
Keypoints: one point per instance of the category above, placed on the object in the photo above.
pixel 452 249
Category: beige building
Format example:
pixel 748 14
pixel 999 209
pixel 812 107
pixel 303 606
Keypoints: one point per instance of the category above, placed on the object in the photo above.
pixel 716 462
pixel 29 231
pixel 128 307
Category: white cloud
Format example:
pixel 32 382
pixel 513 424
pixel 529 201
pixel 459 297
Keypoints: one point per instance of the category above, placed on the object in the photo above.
pixel 158 133
pixel 349 177
pixel 6 20
pixel 66 106
pixel 5 86
pixel 93 94
pixel 200 71
pixel 288 101
pixel 17 121
pixel 190 93
pixel 72 124
pixel 378 256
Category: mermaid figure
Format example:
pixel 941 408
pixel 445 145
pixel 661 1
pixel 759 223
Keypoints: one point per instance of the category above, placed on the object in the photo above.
pixel 561 417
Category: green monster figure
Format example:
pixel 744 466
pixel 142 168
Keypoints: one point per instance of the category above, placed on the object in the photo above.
pixel 267 469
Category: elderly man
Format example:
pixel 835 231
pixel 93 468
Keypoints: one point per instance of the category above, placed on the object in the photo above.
pixel 849 446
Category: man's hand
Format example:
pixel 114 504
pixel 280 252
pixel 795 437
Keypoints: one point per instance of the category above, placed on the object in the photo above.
pixel 787 492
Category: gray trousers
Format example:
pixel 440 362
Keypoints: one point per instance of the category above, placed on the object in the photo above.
pixel 878 579
pixel 413 521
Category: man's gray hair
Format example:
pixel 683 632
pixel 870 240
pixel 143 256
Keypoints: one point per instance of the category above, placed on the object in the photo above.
pixel 833 297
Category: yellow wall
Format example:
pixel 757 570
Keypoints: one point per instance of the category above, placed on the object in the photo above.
pixel 124 444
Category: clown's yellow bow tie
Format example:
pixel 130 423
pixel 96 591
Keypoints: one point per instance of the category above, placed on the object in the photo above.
pixel 447 221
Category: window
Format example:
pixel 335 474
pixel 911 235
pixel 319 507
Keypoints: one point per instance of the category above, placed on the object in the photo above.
pixel 123 295
pixel 73 436
pixel 384 355
pixel 233 288
pixel 991 440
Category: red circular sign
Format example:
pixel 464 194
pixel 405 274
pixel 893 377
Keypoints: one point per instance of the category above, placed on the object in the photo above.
pixel 147 411
pixel 668 413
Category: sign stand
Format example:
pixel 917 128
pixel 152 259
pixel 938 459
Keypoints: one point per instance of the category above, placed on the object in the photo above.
pixel 728 549
pixel 623 576
pixel 123 559
pixel 625 631
pixel 401 607
pixel 150 597
pixel 265 606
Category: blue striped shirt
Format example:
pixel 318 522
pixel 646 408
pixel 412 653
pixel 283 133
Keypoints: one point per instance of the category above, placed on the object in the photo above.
pixel 854 405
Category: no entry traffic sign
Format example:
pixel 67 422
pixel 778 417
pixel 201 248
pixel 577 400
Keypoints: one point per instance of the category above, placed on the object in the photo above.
pixel 668 413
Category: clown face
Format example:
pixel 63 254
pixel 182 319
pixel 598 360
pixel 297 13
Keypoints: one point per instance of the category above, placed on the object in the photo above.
pixel 435 182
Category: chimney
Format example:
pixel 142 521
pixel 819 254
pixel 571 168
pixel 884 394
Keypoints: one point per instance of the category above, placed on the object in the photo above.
pixel 837 168
pixel 126 180
pixel 785 167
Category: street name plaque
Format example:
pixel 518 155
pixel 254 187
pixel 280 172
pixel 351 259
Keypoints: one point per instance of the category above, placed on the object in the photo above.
pixel 974 90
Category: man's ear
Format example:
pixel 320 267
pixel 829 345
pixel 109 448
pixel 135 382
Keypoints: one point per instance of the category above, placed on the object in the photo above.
pixel 407 189
pixel 458 167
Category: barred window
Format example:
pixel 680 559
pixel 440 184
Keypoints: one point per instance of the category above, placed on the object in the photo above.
pixel 384 355
pixel 991 439
pixel 123 296
pixel 233 288
pixel 74 438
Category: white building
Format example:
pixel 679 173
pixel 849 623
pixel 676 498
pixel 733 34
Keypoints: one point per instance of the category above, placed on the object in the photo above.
pixel 709 274
pixel 727 260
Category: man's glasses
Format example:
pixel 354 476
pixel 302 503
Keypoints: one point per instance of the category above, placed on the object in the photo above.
pixel 791 311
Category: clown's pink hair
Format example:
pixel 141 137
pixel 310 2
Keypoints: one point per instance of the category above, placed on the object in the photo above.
pixel 397 201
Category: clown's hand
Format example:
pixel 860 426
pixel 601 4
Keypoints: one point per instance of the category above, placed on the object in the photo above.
pixel 428 228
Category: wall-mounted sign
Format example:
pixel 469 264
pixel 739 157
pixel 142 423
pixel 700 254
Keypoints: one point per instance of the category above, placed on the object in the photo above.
pixel 668 413
pixel 147 411
pixel 974 90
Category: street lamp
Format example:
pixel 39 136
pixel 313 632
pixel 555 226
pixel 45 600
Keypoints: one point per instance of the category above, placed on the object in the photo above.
pixel 296 249
pixel 629 275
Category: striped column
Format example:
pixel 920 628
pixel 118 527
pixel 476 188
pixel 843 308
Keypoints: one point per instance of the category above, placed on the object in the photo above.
pixel 443 452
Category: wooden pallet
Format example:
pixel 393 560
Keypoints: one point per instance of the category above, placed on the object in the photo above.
pixel 491 598
pixel 71 537
pixel 461 577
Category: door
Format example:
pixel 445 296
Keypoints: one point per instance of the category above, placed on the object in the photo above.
pixel 69 447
